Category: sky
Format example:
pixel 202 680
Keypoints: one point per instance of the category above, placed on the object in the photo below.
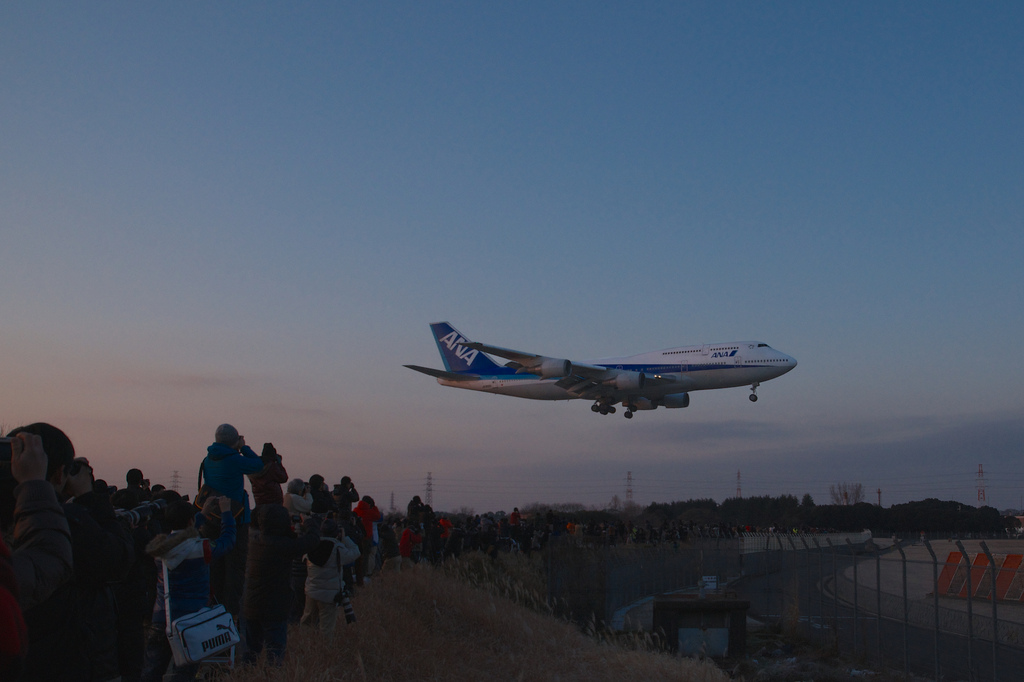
pixel 250 212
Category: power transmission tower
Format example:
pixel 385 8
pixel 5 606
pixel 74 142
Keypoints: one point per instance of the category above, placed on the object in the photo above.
pixel 392 507
pixel 430 489
pixel 879 497
pixel 175 480
pixel 739 491
pixel 981 484
pixel 629 488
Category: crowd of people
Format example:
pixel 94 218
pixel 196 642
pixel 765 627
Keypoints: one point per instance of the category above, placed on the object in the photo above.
pixel 91 575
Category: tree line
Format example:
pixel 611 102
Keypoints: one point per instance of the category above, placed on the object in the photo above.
pixel 785 512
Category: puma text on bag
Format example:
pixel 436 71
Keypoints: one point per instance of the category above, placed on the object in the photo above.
pixel 202 634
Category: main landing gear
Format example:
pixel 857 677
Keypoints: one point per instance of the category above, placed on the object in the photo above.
pixel 753 391
pixel 608 408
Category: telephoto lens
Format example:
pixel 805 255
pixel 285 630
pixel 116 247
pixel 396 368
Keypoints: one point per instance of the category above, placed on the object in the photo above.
pixel 350 614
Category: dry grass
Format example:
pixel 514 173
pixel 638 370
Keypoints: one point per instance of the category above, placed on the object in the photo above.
pixel 454 624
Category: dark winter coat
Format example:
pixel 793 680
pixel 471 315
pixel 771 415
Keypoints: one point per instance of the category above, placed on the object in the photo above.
pixel 80 619
pixel 266 484
pixel 272 546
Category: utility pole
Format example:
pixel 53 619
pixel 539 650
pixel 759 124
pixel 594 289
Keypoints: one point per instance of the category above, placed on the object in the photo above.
pixel 739 491
pixel 629 488
pixel 981 484
pixel 879 497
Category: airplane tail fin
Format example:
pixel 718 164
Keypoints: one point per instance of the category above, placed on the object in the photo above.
pixel 458 358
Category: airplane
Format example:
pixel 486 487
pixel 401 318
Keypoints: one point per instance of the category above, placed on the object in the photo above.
pixel 647 381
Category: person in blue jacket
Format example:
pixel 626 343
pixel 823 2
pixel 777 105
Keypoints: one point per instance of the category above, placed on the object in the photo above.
pixel 187 556
pixel 227 462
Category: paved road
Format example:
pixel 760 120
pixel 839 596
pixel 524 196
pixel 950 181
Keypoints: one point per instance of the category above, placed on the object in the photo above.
pixel 801 590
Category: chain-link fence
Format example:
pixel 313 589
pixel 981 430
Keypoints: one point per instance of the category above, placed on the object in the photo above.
pixel 889 605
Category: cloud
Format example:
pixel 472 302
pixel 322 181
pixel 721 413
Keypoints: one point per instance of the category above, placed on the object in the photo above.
pixel 189 381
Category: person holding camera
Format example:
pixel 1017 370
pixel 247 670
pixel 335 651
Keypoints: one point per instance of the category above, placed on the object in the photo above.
pixel 187 556
pixel 138 485
pixel 266 483
pixel 298 500
pixel 228 461
pixel 345 494
pixel 325 580
pixel 40 558
pixel 39 537
pixel 79 619
pixel 268 595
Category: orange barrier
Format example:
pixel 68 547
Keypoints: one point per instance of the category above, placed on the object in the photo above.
pixel 1009 577
pixel 949 572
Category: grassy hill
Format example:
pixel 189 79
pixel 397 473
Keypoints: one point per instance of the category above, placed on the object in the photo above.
pixel 463 624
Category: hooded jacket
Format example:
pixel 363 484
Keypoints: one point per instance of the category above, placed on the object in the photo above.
pixel 368 514
pixel 188 557
pixel 323 582
pixel 266 483
pixel 225 468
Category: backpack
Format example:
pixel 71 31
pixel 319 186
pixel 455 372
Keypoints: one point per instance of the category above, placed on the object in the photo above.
pixel 206 491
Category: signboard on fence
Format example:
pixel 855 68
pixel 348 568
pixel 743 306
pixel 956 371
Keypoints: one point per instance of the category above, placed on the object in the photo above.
pixel 710 582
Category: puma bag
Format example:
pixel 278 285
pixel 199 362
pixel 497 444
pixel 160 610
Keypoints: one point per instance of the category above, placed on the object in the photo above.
pixel 201 634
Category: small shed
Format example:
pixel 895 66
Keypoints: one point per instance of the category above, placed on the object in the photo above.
pixel 714 627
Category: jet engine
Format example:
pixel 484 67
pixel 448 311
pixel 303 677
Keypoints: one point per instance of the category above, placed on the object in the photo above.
pixel 670 401
pixel 550 368
pixel 628 381
pixel 675 400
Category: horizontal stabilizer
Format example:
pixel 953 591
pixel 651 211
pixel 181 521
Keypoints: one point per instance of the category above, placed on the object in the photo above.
pixel 441 374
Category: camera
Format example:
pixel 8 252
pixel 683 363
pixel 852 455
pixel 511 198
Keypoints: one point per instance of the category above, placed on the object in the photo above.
pixel 143 511
pixel 5 449
pixel 76 466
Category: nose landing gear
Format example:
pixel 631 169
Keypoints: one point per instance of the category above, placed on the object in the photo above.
pixel 753 391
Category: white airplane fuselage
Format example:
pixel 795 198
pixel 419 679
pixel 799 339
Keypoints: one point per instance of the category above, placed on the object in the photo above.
pixel 693 368
pixel 646 381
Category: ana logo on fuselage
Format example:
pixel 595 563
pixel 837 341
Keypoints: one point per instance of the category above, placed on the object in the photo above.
pixel 452 341
pixel 723 354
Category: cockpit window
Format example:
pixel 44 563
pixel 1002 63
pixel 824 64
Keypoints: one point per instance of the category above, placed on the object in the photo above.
pixel 762 345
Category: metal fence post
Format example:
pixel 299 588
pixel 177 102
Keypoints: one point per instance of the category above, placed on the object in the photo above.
pixel 878 602
pixel 970 613
pixel 796 578
pixel 835 592
pixel 856 603
pixel 821 588
pixel 995 618
pixel 768 574
pixel 807 567
pixel 935 591
pixel 906 612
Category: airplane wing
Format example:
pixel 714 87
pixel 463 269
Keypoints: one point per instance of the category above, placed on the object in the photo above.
pixel 441 374
pixel 531 363
pixel 507 353
pixel 580 379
